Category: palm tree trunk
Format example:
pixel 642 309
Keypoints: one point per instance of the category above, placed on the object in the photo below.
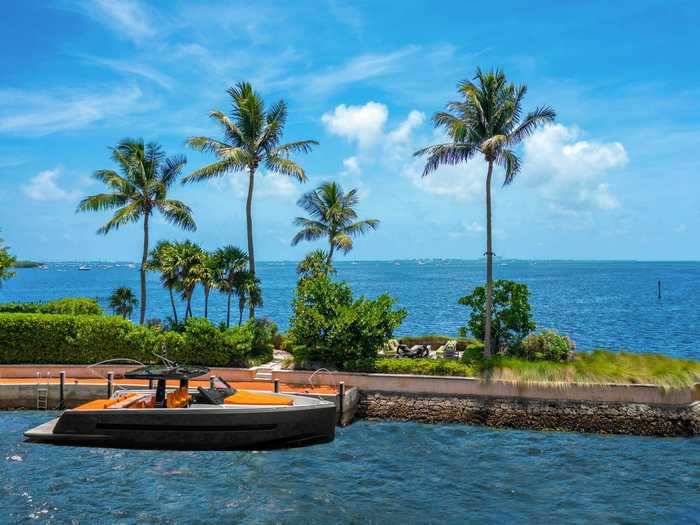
pixel 249 224
pixel 489 268
pixel 331 250
pixel 228 310
pixel 206 302
pixel 188 307
pixel 241 306
pixel 144 259
pixel 172 303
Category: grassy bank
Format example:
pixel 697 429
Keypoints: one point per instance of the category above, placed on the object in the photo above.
pixel 599 366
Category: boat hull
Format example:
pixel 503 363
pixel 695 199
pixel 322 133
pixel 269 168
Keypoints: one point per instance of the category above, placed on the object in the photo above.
pixel 216 428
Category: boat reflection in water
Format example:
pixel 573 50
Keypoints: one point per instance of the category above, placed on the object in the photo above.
pixel 218 418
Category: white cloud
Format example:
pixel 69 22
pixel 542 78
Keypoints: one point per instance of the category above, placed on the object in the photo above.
pixel 127 18
pixel 463 182
pixel 134 68
pixel 403 132
pixel 38 114
pixel 361 124
pixel 568 172
pixel 45 187
pixel 351 166
pixel 267 186
pixel 360 68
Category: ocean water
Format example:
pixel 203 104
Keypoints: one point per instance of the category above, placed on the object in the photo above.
pixel 599 304
pixel 382 473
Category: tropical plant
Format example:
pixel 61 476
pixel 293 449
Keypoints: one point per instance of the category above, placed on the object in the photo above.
pixel 230 262
pixel 488 121
pixel 512 319
pixel 247 288
pixel 7 261
pixel 138 192
pixel 163 259
pixel 122 302
pixel 330 328
pixel 252 138
pixel 547 345
pixel 189 258
pixel 332 216
pixel 315 263
pixel 208 278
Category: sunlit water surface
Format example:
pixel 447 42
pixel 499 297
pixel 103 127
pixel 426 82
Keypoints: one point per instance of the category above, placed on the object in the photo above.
pixel 381 473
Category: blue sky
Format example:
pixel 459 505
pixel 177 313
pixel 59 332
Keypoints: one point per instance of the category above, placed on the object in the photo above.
pixel 615 178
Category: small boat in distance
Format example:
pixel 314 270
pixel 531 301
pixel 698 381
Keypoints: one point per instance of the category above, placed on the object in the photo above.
pixel 84 268
pixel 215 418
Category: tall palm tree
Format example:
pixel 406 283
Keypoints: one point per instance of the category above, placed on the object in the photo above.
pixel 163 259
pixel 333 216
pixel 230 262
pixel 252 138
pixel 122 302
pixel 488 122
pixel 138 192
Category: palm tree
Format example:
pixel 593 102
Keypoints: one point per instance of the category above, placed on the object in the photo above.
pixel 122 302
pixel 230 261
pixel 252 139
pixel 315 263
pixel 332 216
pixel 488 122
pixel 138 192
pixel 247 288
pixel 207 276
pixel 189 259
pixel 163 259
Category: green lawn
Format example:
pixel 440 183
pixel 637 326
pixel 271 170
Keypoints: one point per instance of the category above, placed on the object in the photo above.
pixel 599 366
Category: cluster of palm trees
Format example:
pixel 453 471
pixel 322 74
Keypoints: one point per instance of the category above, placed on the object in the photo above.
pixel 184 265
pixel 486 122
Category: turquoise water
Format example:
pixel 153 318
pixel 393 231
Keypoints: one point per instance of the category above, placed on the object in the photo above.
pixel 600 304
pixel 381 473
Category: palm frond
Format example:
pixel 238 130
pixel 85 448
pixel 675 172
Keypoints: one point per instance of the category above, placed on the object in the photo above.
pixel 177 213
pixel 510 163
pixel 543 115
pixel 215 169
pixel 102 201
pixel 446 154
pixel 126 215
pixel 285 166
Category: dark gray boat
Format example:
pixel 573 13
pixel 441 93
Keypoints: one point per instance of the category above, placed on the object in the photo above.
pixel 205 419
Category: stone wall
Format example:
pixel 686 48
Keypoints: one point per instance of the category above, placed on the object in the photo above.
pixel 582 416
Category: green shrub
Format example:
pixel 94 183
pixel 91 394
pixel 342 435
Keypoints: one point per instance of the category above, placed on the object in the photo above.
pixel 38 338
pixel 511 317
pixel 329 327
pixel 473 353
pixel 67 306
pixel 430 367
pixel 69 339
pixel 548 345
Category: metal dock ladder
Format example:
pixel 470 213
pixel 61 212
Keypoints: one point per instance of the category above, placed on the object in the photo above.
pixel 42 392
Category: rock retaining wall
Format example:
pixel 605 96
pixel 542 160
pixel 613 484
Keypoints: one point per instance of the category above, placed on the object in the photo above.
pixel 581 416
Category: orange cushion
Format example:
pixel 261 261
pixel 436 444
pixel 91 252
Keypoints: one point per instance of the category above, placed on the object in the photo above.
pixel 244 397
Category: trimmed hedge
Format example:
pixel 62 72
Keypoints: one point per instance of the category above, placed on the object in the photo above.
pixel 84 339
pixel 67 306
pixel 425 367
